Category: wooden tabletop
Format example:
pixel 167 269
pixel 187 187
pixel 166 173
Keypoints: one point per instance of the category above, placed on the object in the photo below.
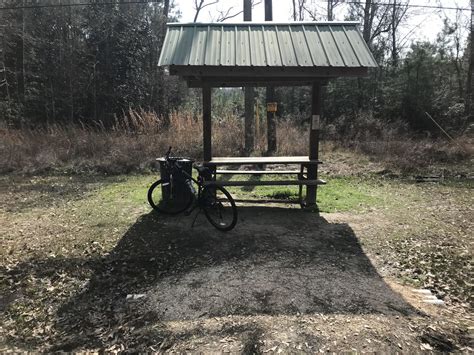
pixel 261 160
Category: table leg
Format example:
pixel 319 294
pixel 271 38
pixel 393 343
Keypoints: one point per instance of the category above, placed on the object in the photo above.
pixel 312 191
pixel 300 193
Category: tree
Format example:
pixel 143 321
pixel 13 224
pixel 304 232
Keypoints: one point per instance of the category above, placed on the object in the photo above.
pixel 222 14
pixel 399 11
pixel 331 5
pixel 301 8
pixel 450 43
pixel 375 16
pixel 298 10
pixel 89 63
pixel 469 82
pixel 419 88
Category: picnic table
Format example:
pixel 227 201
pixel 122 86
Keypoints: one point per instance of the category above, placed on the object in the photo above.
pixel 300 176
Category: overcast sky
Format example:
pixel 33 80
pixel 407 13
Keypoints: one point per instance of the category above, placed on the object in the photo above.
pixel 422 24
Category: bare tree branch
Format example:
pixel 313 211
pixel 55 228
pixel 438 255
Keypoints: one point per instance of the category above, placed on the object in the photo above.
pixel 382 25
pixel 311 13
pixel 228 14
pixel 201 4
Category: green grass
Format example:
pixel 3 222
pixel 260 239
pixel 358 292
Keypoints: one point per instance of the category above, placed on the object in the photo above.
pixel 348 194
pixel 127 189
pixel 338 195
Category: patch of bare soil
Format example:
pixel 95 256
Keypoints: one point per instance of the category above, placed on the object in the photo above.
pixel 278 261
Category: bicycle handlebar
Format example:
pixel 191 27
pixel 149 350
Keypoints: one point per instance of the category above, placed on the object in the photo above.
pixel 173 160
pixel 167 155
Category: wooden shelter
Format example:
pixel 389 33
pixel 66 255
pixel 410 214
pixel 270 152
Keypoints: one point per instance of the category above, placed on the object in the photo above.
pixel 209 55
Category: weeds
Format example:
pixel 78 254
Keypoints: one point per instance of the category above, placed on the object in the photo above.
pixel 136 139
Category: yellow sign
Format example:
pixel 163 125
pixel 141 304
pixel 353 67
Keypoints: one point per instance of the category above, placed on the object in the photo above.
pixel 272 107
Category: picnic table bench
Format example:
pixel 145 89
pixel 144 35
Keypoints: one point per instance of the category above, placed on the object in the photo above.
pixel 300 179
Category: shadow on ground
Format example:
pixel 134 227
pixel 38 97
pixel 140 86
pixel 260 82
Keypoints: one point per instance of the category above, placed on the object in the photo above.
pixel 275 262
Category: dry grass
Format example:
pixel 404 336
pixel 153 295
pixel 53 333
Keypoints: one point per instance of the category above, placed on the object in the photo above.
pixel 136 139
pixel 399 149
pixel 132 144
pixel 411 155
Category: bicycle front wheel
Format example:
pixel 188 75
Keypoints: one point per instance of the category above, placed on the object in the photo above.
pixel 219 207
pixel 169 198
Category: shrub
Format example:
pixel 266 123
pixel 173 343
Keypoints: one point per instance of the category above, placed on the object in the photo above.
pixel 136 139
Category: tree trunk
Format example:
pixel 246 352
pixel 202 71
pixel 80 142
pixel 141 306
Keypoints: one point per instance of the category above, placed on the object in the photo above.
pixel 457 67
pixel 470 70
pixel 369 13
pixel 94 78
pixel 198 10
pixel 166 8
pixel 3 69
pixel 20 58
pixel 158 72
pixel 4 82
pixel 71 63
pixel 367 26
pixel 394 35
pixel 330 10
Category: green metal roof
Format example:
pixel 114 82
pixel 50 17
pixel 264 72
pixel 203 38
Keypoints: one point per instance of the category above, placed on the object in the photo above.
pixel 269 44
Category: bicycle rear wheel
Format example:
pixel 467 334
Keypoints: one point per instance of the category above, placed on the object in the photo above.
pixel 167 197
pixel 219 207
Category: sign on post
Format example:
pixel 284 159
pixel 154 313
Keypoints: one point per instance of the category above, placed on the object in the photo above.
pixel 272 107
pixel 315 122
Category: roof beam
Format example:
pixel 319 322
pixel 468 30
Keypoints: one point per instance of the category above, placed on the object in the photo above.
pixel 217 82
pixel 295 73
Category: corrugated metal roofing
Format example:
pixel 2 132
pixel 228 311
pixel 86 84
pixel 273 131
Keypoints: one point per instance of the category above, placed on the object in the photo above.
pixel 298 44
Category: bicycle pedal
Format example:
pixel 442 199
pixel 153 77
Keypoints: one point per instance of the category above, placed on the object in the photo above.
pixel 195 218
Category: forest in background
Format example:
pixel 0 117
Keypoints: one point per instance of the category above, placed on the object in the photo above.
pixel 94 68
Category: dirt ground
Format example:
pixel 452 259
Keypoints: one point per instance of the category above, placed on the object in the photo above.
pixel 284 280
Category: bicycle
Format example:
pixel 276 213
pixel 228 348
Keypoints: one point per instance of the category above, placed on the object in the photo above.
pixel 177 194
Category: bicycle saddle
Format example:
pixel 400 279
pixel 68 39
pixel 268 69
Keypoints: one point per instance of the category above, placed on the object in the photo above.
pixel 204 171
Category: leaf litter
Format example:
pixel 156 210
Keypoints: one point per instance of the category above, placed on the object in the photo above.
pixel 67 271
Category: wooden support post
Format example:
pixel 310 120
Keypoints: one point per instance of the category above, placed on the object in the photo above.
pixel 311 191
pixel 249 120
pixel 206 123
pixel 257 121
pixel 271 123
pixel 249 97
pixel 270 95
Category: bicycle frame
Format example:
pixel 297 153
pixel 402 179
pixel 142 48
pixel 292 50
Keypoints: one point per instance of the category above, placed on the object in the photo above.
pixel 174 165
pixel 196 181
pixel 188 177
pixel 216 202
